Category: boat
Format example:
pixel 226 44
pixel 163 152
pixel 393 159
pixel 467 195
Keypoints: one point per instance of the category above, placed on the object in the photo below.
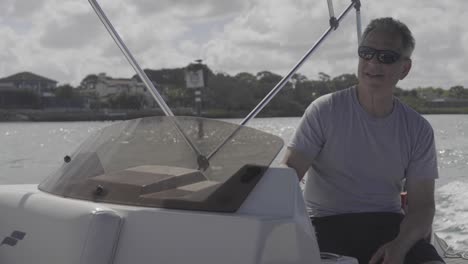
pixel 132 193
pixel 167 189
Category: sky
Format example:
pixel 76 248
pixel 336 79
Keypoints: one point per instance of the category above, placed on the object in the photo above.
pixel 64 40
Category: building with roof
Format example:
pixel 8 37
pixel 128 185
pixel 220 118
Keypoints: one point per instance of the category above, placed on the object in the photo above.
pixel 27 81
pixel 105 87
pixel 24 90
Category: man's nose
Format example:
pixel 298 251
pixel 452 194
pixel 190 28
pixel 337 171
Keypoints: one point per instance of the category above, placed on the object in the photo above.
pixel 374 61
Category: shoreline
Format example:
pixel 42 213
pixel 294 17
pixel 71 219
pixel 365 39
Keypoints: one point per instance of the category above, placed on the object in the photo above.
pixel 70 115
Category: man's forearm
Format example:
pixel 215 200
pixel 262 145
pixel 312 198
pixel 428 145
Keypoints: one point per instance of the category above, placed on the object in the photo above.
pixel 415 226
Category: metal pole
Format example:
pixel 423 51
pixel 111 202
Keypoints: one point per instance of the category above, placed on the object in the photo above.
pixel 130 58
pixel 333 21
pixel 357 5
pixel 358 25
pixel 198 101
pixel 330 8
pixel 202 161
pixel 281 83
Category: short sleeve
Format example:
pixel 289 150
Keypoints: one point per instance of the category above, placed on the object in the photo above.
pixel 309 137
pixel 423 161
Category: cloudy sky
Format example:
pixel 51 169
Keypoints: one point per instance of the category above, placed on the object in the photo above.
pixel 64 40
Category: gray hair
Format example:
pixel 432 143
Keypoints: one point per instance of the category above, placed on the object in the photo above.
pixel 388 24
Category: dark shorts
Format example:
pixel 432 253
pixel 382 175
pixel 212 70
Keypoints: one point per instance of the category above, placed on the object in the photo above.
pixel 359 235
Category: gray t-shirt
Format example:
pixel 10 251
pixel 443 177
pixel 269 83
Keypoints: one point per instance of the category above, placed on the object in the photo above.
pixel 359 161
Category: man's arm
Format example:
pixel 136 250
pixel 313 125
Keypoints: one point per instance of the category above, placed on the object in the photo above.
pixel 417 223
pixel 297 161
pixel 415 226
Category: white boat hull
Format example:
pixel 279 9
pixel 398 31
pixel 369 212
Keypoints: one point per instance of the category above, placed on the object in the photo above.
pixel 271 226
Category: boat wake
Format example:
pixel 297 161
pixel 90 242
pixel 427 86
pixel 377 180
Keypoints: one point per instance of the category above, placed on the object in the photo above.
pixel 451 217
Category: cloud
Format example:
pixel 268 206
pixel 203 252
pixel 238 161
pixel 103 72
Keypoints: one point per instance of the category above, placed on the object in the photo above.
pixel 64 40
pixel 7 56
pixel 76 31
pixel 20 8
pixel 268 37
pixel 189 9
pixel 291 29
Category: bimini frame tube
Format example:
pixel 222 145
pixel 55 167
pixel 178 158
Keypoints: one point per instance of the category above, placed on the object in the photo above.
pixel 334 23
pixel 285 79
pixel 330 8
pixel 357 6
pixel 201 160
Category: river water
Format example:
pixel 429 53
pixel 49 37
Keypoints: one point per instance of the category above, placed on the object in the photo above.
pixel 31 151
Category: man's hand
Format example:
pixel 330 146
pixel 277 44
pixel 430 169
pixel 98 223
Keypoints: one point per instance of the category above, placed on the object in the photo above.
pixel 389 253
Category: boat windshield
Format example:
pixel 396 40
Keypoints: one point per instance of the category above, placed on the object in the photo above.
pixel 146 162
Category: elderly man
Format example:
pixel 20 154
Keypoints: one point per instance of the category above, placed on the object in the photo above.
pixel 357 146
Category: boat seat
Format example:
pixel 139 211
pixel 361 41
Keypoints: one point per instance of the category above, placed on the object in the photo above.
pixel 49 227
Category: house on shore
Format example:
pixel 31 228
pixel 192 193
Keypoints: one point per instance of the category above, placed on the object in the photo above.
pixel 104 88
pixel 24 90
pixel 28 81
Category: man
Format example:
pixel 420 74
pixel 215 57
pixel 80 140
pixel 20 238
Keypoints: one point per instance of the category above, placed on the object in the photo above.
pixel 357 146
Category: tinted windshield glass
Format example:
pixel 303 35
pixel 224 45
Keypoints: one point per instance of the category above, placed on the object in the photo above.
pixel 147 162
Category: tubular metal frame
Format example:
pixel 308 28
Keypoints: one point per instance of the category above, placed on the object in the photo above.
pixel 201 160
pixel 284 81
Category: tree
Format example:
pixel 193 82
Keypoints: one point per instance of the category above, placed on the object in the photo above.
pixel 65 91
pixel 126 101
pixel 343 81
pixel 230 93
pixel 324 77
pixel 457 92
pixel 89 81
pixel 265 82
pixel 245 77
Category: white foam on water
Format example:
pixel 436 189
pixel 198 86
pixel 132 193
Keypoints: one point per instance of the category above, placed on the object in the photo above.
pixel 451 220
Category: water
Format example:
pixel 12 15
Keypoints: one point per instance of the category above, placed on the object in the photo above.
pixel 31 151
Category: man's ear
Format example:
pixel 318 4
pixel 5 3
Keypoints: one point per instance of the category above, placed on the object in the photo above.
pixel 406 69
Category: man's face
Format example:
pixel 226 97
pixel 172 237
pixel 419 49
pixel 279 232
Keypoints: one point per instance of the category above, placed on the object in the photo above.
pixel 375 76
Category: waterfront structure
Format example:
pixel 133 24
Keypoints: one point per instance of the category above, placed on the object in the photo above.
pixel 104 88
pixel 27 81
pixel 24 89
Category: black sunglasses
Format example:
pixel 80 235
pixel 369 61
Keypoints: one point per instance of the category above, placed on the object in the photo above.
pixel 383 56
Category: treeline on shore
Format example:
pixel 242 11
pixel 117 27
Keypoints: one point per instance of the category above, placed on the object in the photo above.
pixel 234 96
